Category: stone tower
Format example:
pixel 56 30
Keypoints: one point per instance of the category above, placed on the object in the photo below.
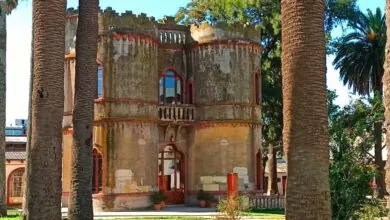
pixel 177 109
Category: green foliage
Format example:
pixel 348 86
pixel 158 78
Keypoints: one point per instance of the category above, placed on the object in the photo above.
pixel 351 170
pixel 202 195
pixel 233 207
pixel 158 196
pixel 11 5
pixel 360 54
pixel 372 209
pixel 339 12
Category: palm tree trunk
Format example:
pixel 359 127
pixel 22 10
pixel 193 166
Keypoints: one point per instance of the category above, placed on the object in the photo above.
pixel 43 199
pixel 80 202
pixel 272 171
pixel 305 131
pixel 386 84
pixel 28 144
pixel 3 49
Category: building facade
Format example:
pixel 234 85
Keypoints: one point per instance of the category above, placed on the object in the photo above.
pixel 15 155
pixel 177 108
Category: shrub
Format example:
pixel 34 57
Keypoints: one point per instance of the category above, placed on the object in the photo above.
pixel 372 209
pixel 202 195
pixel 158 197
pixel 233 207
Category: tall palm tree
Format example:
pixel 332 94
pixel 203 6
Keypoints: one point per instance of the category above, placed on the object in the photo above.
pixel 80 202
pixel 5 8
pixel 305 128
pixel 386 84
pixel 44 160
pixel 359 58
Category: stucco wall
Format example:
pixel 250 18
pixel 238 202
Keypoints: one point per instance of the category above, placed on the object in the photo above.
pixel 11 166
pixel 221 150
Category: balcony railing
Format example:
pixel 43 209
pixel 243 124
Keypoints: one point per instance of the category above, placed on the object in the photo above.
pixel 172 37
pixel 176 113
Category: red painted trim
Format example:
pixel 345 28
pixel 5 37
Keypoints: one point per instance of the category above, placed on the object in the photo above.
pixel 67 131
pixel 182 160
pixel 104 196
pixel 145 39
pixel 254 46
pixel 9 182
pixel 170 68
pixel 223 123
pixel 95 155
pixel 125 100
pixel 176 75
pixel 100 63
pixel 68 113
pixel 192 193
pixel 112 120
pixel 205 104
pixel 259 171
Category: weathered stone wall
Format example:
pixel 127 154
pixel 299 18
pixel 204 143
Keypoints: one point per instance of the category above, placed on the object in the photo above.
pixel 221 61
pixel 130 158
pixel 168 58
pixel 128 51
pixel 224 62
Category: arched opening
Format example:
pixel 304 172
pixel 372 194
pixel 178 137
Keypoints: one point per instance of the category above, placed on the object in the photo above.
pixel 257 88
pixel 190 94
pixel 100 81
pixel 15 187
pixel 171 174
pixel 259 171
pixel 171 88
pixel 97 174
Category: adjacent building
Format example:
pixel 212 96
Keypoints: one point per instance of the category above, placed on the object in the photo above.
pixel 15 155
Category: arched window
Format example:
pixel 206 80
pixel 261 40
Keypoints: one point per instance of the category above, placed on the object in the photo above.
pixel 190 94
pixel 171 88
pixel 257 88
pixel 97 179
pixel 16 183
pixel 100 81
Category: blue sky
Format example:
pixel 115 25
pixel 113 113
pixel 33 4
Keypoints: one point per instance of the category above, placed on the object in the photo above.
pixel 19 43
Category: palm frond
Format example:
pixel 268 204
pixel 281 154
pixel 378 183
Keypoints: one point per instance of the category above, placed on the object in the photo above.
pixel 360 55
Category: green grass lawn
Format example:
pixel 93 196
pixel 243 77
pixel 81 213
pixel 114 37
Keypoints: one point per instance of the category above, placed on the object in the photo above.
pixel 272 214
pixel 12 215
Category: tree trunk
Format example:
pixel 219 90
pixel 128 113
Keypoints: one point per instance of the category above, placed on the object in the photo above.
pixel 305 131
pixel 3 49
pixel 272 171
pixel 386 84
pixel 80 202
pixel 44 163
pixel 28 144
pixel 265 180
pixel 379 179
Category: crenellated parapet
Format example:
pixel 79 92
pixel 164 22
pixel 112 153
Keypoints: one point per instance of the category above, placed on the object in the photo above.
pixel 126 23
pixel 206 33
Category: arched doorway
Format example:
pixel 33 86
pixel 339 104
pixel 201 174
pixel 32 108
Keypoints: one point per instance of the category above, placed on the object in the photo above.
pixel 97 179
pixel 259 171
pixel 171 174
pixel 15 187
